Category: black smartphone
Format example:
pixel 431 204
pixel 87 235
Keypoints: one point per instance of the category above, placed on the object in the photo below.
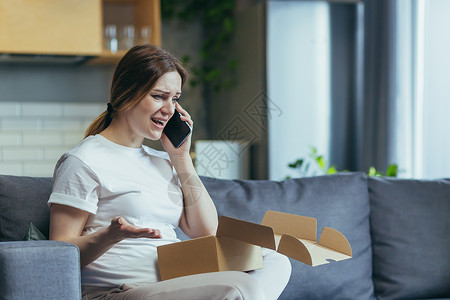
pixel 177 130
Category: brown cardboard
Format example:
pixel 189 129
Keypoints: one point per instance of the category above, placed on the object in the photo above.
pixel 211 253
pixel 296 237
pixel 235 255
pixel 237 246
pixel 180 259
pixel 246 232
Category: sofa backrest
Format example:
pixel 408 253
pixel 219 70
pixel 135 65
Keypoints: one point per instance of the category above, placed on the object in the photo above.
pixel 410 227
pixel 23 200
pixel 339 201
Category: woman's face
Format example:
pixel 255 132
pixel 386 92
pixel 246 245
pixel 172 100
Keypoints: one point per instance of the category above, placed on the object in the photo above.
pixel 148 118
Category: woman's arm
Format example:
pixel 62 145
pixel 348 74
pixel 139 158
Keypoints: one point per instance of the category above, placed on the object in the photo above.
pixel 67 223
pixel 199 216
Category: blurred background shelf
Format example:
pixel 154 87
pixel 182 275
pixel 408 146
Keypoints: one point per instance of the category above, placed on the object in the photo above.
pixel 73 27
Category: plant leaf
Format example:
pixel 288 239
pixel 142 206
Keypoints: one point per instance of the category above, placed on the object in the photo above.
pixel 297 164
pixel 332 170
pixel 321 162
pixel 372 171
pixel 392 170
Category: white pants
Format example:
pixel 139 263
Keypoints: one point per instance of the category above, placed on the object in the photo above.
pixel 266 283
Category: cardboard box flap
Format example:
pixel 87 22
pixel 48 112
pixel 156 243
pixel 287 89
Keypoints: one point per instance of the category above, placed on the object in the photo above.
pixel 251 233
pixel 294 248
pixel 296 237
pixel 308 252
pixel 298 226
pixel 234 255
pixel 180 259
pixel 333 239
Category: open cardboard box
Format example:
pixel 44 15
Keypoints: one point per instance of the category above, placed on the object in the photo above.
pixel 237 246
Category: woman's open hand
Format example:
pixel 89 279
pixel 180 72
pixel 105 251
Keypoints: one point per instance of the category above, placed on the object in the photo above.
pixel 120 229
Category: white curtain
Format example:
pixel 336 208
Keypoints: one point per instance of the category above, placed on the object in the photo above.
pixel 421 140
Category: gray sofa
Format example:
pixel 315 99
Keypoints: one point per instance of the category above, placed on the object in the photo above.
pixel 399 231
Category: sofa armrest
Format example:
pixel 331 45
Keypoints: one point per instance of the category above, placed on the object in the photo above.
pixel 39 270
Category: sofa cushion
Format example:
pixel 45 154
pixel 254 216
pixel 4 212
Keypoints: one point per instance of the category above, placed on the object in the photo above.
pixel 338 201
pixel 47 270
pixel 410 223
pixel 23 200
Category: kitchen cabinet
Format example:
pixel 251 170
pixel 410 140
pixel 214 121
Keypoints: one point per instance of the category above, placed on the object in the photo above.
pixel 71 27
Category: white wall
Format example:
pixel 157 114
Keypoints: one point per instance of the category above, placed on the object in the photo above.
pixel 298 75
pixel 33 135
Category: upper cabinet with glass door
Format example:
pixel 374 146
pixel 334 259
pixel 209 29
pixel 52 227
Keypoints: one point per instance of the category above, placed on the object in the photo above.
pixel 77 27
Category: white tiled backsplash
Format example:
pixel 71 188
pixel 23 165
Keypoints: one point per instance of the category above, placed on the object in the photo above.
pixel 34 135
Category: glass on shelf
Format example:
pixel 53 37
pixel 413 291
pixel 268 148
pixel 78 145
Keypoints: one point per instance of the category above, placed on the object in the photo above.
pixel 144 35
pixel 126 38
pixel 110 38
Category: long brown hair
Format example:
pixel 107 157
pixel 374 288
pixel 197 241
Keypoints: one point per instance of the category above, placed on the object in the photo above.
pixel 134 77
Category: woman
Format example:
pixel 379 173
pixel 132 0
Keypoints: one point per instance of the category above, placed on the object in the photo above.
pixel 118 200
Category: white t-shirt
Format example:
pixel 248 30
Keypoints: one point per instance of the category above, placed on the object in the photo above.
pixel 109 180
